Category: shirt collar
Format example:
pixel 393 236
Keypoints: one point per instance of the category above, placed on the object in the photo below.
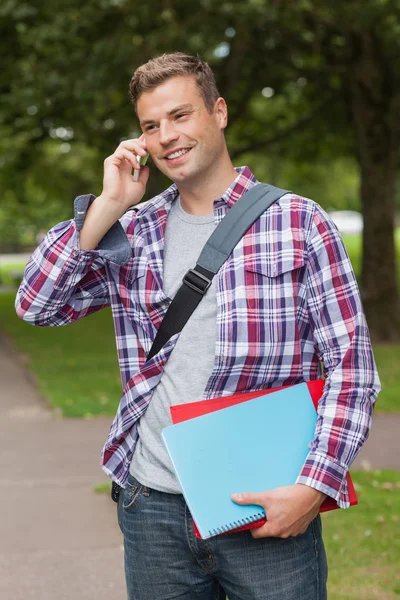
pixel 243 182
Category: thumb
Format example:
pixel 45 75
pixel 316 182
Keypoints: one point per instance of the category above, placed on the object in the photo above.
pixel 249 498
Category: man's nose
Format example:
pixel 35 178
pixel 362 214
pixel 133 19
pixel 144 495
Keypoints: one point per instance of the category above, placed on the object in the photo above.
pixel 167 133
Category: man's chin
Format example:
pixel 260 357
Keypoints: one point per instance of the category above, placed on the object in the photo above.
pixel 179 176
pixel 183 174
pixel 173 174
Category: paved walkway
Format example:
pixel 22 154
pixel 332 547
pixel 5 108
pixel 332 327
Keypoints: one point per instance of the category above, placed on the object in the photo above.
pixel 9 259
pixel 58 539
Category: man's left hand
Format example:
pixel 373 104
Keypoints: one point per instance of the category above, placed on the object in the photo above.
pixel 289 509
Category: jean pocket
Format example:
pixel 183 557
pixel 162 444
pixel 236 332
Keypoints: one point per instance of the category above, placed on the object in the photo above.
pixel 306 544
pixel 132 493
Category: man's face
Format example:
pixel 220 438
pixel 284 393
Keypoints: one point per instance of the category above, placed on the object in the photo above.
pixel 182 137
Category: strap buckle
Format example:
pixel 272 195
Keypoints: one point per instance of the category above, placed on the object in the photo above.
pixel 197 281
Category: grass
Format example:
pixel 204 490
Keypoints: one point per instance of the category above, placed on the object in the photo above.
pixel 363 542
pixel 353 245
pixel 102 488
pixel 6 272
pixel 76 366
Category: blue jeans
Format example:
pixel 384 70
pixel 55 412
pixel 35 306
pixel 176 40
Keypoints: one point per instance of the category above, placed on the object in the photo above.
pixel 165 560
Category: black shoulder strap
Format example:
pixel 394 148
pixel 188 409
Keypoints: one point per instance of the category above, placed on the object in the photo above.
pixel 219 246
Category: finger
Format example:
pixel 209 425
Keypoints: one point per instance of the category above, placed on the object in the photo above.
pixel 266 530
pixel 249 498
pixel 136 146
pixel 121 161
pixel 121 155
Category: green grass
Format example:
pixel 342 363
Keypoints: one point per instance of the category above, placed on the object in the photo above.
pixel 102 488
pixel 353 247
pixel 363 542
pixel 76 366
pixel 7 270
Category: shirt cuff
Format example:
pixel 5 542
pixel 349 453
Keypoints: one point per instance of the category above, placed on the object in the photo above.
pixel 327 476
pixel 114 246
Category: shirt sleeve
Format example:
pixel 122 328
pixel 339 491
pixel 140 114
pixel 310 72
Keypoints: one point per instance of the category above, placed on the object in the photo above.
pixel 63 283
pixel 343 344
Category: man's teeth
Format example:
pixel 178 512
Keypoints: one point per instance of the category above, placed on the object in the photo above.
pixel 179 153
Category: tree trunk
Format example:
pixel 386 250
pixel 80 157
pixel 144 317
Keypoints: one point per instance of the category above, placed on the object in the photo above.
pixel 373 108
pixel 379 274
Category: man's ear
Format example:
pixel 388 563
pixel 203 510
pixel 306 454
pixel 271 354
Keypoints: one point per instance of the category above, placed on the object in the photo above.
pixel 221 113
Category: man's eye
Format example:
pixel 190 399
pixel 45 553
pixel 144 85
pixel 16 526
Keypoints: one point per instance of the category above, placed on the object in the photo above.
pixel 150 127
pixel 181 115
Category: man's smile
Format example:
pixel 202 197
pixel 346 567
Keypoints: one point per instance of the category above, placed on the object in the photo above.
pixel 177 156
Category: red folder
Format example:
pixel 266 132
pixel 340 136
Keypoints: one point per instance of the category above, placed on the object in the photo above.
pixel 183 412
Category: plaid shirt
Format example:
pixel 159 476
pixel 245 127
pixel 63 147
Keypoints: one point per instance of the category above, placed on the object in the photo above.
pixel 287 301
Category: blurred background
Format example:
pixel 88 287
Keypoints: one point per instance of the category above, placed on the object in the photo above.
pixel 313 92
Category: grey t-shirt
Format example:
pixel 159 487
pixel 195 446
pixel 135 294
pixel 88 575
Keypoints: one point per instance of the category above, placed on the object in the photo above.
pixel 190 365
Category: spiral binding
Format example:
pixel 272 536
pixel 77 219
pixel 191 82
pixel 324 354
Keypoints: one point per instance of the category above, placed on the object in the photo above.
pixel 235 524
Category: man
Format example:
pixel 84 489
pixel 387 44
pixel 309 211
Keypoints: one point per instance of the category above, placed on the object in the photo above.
pixel 285 300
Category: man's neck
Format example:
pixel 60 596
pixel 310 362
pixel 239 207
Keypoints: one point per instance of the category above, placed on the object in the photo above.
pixel 198 198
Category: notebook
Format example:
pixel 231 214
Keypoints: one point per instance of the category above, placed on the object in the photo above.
pixel 253 446
pixel 182 412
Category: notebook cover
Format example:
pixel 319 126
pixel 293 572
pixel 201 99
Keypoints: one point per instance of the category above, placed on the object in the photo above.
pixel 274 434
pixel 183 412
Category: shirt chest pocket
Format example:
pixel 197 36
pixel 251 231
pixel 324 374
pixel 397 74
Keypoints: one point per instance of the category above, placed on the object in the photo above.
pixel 273 294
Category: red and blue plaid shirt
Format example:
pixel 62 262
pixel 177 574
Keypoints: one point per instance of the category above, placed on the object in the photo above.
pixel 287 301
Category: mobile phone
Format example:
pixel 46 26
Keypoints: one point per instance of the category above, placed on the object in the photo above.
pixel 142 161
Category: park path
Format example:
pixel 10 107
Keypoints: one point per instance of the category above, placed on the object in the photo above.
pixel 10 259
pixel 58 539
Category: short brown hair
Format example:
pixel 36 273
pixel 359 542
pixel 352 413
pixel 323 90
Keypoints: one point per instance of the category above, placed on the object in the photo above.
pixel 157 70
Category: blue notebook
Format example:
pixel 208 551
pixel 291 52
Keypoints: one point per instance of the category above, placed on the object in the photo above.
pixel 254 446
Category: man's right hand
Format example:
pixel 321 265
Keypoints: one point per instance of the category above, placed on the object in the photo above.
pixel 120 191
pixel 118 183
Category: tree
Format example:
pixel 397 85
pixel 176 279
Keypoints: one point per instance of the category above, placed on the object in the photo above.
pixel 305 80
pixel 356 51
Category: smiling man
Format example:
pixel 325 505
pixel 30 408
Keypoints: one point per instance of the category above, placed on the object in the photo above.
pixel 284 301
